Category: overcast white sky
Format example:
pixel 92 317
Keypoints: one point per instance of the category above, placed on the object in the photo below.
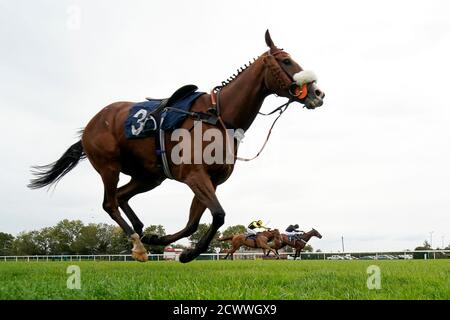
pixel 372 164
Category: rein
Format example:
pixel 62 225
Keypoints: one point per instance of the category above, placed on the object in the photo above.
pixel 215 100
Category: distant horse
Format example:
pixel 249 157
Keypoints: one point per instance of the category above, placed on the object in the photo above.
pixel 261 241
pixel 105 144
pixel 297 243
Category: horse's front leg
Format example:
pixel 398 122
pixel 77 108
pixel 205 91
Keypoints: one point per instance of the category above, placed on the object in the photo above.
pixel 264 246
pixel 275 248
pixel 297 253
pixel 196 212
pixel 200 183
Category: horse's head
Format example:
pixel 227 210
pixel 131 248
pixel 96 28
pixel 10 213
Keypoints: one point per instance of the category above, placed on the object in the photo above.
pixel 272 234
pixel 316 233
pixel 286 78
pixel 276 234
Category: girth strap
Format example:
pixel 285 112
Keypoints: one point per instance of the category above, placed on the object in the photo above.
pixel 162 142
pixel 198 116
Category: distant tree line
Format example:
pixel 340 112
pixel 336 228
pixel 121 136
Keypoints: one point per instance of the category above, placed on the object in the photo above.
pixel 73 237
pixel 427 246
pixel 66 237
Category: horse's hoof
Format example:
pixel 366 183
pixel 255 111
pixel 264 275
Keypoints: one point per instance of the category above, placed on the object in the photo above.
pixel 138 252
pixel 140 256
pixel 188 256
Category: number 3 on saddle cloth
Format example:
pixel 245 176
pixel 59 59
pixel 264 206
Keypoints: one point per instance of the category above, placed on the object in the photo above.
pixel 144 118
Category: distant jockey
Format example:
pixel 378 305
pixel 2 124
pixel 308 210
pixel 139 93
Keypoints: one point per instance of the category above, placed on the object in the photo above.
pixel 292 231
pixel 255 227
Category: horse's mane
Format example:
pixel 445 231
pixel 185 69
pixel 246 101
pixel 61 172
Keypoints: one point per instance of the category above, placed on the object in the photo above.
pixel 236 75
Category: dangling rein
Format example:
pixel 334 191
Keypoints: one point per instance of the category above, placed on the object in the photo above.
pixel 280 109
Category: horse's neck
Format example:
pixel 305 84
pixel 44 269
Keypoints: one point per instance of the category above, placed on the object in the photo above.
pixel 307 235
pixel 241 100
pixel 266 234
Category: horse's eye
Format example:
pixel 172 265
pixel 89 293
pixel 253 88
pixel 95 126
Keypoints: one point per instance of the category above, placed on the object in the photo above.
pixel 287 62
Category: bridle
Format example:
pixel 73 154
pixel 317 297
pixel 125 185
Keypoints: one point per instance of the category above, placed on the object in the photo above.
pixel 294 90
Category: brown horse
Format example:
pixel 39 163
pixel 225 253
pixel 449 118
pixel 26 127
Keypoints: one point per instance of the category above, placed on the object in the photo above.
pixel 261 241
pixel 297 244
pixel 104 143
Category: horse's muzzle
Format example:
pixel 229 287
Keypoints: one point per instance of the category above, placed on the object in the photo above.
pixel 315 97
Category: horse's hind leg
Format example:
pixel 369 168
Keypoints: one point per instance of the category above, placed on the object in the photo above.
pixel 231 252
pixel 110 177
pixel 126 192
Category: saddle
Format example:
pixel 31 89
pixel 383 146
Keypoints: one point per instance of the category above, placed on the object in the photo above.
pixel 251 237
pixel 146 118
pixel 177 95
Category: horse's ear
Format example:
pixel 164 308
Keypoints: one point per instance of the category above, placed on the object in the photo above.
pixel 269 41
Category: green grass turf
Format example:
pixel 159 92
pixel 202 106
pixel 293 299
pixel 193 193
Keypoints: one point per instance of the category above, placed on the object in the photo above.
pixel 258 279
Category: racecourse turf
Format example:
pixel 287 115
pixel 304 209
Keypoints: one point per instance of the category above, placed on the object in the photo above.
pixel 260 279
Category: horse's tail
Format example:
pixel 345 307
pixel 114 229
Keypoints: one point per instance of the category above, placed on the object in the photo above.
pixel 53 172
pixel 225 238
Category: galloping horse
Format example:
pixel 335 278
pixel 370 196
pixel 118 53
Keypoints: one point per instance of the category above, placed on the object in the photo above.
pixel 105 144
pixel 261 241
pixel 297 244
